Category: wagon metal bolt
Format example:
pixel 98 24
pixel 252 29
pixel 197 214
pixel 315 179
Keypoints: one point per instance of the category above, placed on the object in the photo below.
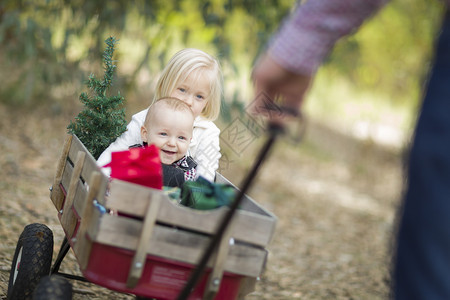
pixel 216 281
pixel 74 240
pixel 61 211
pixel 51 188
pixel 138 265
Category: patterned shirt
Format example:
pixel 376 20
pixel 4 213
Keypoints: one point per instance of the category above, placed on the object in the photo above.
pixel 188 165
pixel 309 34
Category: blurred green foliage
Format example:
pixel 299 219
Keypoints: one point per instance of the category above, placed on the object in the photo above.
pixel 392 51
pixel 47 47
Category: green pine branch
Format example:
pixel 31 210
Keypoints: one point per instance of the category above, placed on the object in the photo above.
pixel 102 119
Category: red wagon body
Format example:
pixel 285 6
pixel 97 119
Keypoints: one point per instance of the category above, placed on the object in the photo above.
pixel 150 244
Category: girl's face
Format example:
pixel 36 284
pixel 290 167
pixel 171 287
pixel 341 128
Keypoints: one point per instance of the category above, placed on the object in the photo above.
pixel 194 91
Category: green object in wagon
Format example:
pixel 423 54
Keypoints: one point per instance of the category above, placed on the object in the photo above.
pixel 172 192
pixel 204 195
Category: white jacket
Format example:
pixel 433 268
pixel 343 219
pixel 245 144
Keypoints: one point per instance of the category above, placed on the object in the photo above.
pixel 204 146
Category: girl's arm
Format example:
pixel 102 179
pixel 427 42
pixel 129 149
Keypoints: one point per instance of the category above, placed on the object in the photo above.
pixel 205 148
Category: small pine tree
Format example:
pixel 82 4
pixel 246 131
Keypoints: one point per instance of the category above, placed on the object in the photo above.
pixel 103 118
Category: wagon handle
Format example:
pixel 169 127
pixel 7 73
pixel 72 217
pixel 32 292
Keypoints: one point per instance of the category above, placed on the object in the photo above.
pixel 274 131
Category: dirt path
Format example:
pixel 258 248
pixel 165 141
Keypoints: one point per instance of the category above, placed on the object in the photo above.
pixel 335 200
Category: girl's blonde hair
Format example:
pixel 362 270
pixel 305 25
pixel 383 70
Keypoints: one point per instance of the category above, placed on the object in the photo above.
pixel 180 66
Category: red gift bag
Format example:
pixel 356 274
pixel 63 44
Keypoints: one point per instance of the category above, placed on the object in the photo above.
pixel 138 165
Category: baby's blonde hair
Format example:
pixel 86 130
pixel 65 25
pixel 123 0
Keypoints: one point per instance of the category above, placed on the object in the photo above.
pixel 180 66
pixel 170 102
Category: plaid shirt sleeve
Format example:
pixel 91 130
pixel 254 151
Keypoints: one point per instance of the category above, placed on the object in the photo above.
pixel 309 34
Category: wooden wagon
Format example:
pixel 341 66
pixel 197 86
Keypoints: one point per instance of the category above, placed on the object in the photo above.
pixel 149 245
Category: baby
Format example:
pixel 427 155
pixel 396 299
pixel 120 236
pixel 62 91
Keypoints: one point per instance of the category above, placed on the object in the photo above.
pixel 168 125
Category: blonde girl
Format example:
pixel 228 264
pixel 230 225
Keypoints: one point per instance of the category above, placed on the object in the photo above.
pixel 194 77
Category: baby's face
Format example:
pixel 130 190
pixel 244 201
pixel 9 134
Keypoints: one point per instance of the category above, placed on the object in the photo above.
pixel 171 132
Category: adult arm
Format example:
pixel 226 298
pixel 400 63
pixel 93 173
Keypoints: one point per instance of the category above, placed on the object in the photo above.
pixel 287 68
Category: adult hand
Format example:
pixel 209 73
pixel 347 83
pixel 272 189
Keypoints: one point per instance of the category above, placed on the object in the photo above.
pixel 279 84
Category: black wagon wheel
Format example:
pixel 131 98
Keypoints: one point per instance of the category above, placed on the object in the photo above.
pixel 53 287
pixel 32 261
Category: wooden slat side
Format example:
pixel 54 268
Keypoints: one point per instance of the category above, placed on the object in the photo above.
pixel 137 265
pixel 218 263
pixel 246 287
pixel 221 179
pixel 83 245
pixel 254 260
pixel 82 251
pixel 56 193
pixel 67 175
pixel 131 199
pixel 179 245
pixel 89 168
pixel 80 198
pixel 82 191
pixel 94 226
pixel 248 203
pixel 253 229
pixel 104 186
pixel 90 162
pixel 82 248
pixel 76 147
pixel 68 218
pixel 247 227
pixel 57 196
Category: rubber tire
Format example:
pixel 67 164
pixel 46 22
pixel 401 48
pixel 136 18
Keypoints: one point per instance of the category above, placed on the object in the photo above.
pixel 53 287
pixel 32 261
